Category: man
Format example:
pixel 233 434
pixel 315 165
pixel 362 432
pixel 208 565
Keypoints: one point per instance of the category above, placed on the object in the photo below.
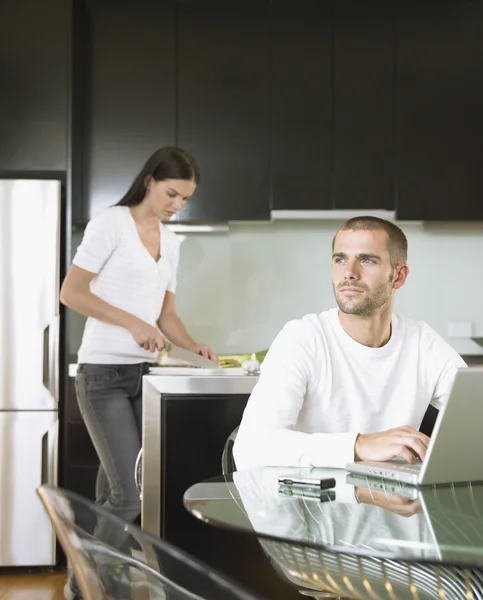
pixel 351 383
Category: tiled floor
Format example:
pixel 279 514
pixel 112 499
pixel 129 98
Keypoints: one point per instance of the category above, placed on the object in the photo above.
pixel 32 586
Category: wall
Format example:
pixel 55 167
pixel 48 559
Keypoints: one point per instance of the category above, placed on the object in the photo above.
pixel 237 289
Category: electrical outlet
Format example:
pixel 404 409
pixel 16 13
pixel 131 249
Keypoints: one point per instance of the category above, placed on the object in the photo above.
pixel 460 329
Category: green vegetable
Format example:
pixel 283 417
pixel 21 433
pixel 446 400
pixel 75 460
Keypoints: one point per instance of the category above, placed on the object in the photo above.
pixel 236 360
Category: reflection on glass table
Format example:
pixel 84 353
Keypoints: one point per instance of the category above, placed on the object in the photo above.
pixel 375 539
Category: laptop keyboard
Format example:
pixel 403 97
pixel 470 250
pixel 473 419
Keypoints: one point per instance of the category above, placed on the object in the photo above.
pixel 398 470
pixel 409 468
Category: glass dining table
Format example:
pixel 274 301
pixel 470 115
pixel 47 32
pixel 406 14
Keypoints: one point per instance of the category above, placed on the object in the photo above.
pixel 364 538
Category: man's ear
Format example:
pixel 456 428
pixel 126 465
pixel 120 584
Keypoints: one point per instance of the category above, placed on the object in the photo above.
pixel 402 272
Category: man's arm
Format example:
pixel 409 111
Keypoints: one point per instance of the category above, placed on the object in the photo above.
pixel 440 362
pixel 267 433
pixel 444 361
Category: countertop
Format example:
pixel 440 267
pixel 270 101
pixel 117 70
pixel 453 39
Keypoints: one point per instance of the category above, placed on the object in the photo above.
pixel 472 360
pixel 201 384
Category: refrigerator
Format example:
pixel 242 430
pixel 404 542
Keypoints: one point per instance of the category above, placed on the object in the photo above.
pixel 30 229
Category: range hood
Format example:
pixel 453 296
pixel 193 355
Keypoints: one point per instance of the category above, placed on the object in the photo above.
pixel 316 215
pixel 198 227
pixel 284 215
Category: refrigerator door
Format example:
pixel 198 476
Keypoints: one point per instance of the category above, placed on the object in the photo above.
pixel 29 294
pixel 28 458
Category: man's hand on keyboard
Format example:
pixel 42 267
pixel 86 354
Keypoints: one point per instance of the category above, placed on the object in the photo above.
pixel 401 441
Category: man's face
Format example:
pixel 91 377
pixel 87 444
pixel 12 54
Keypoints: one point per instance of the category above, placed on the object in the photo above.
pixel 362 275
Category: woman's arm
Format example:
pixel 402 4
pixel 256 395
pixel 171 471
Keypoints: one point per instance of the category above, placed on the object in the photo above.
pixel 76 294
pixel 173 328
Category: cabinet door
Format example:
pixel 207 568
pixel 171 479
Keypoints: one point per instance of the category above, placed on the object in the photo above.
pixel 440 99
pixel 194 431
pixel 80 451
pixel 34 85
pixel 364 86
pixel 132 107
pixel 301 104
pixel 223 107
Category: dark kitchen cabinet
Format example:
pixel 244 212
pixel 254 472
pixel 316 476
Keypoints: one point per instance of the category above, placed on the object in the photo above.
pixel 132 93
pixel 364 110
pixel 81 450
pixel 34 55
pixel 81 66
pixel 223 106
pixel 440 116
pixel 302 104
pixel 79 461
pixel 332 99
pixel 194 429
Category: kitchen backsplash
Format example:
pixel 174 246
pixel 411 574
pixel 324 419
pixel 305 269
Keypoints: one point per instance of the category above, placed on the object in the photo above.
pixel 236 289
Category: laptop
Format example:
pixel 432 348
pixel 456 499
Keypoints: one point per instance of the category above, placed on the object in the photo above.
pixel 455 452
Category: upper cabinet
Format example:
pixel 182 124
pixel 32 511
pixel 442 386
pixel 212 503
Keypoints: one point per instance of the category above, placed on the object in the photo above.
pixel 131 108
pixel 34 58
pixel 377 105
pixel 302 105
pixel 440 115
pixel 364 86
pixel 222 114
pixel 333 69
pixel 287 105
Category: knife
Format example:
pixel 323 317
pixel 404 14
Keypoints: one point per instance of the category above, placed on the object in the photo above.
pixel 188 357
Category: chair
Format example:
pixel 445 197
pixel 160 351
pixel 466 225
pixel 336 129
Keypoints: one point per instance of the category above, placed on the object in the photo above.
pixel 111 558
pixel 138 474
pixel 227 461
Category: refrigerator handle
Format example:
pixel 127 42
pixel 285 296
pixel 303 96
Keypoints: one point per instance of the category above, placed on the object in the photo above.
pixel 50 358
pixel 44 465
pixel 55 358
pixel 45 358
pixel 48 454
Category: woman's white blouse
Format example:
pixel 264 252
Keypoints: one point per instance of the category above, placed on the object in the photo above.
pixel 129 278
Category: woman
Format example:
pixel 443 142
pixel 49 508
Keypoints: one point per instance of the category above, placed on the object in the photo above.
pixel 123 278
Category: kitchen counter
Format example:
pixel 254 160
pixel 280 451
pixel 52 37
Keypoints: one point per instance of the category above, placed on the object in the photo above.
pixel 472 360
pixel 199 384
pixel 186 420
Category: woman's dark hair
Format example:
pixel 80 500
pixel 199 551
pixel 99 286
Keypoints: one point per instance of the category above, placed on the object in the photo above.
pixel 166 163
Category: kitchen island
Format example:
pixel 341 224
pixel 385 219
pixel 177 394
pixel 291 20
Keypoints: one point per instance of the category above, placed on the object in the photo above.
pixel 186 421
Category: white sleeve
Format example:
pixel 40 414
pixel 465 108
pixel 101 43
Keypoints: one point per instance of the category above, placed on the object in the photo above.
pixel 99 242
pixel 174 261
pixel 267 435
pixel 445 361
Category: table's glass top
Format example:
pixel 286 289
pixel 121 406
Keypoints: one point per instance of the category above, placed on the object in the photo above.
pixel 373 517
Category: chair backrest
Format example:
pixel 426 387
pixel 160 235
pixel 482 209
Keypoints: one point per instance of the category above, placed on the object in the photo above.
pixel 227 461
pixel 116 559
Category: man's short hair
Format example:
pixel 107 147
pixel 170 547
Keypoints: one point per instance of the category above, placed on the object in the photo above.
pixel 396 240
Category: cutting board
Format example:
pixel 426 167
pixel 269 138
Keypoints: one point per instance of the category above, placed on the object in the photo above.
pixel 198 372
